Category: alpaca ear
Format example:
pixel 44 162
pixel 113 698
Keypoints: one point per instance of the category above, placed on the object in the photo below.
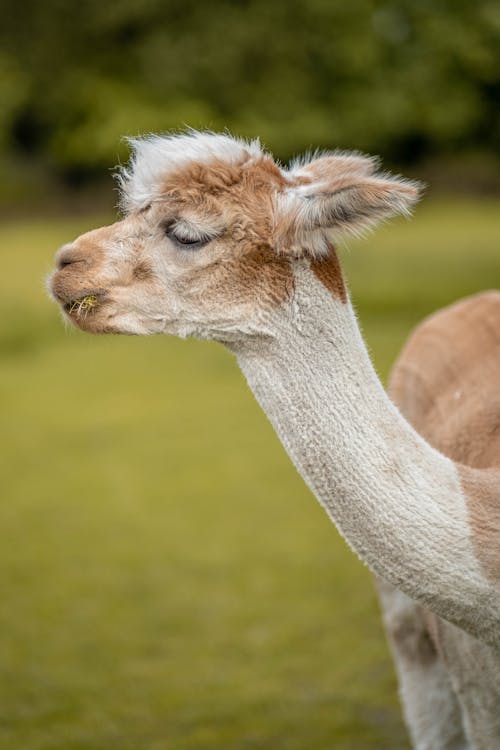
pixel 335 195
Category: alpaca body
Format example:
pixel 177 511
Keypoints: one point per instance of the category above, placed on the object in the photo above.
pixel 449 676
pixel 446 382
pixel 220 242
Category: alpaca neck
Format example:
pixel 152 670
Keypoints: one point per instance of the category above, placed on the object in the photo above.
pixel 396 500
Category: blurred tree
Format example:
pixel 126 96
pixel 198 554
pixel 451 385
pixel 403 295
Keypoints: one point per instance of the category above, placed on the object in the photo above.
pixel 403 78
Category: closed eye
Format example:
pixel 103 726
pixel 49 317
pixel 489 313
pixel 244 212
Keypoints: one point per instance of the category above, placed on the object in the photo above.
pixel 182 239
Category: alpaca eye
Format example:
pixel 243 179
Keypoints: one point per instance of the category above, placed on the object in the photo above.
pixel 183 240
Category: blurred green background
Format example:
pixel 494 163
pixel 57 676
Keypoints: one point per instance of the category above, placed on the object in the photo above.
pixel 168 582
pixel 417 82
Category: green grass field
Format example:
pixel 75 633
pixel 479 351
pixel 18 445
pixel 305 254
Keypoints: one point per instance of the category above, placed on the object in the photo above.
pixel 168 582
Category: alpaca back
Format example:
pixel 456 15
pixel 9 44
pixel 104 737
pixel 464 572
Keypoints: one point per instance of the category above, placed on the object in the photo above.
pixel 446 381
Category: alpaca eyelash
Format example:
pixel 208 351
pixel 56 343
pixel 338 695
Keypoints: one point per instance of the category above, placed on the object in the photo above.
pixel 187 242
pixel 184 240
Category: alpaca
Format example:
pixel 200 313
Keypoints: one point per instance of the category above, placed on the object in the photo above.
pixel 218 241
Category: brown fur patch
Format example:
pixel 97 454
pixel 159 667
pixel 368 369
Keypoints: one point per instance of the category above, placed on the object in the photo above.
pixel 254 276
pixel 142 271
pixel 192 183
pixel 446 383
pixel 242 195
pixel 327 270
pixel 262 271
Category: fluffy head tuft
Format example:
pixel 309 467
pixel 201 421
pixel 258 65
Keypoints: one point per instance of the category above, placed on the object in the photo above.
pixel 154 156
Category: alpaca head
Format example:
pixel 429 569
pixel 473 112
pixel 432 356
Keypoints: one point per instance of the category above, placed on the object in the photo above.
pixel 212 232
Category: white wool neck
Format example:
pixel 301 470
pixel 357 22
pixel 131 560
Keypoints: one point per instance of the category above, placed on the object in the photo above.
pixel 395 499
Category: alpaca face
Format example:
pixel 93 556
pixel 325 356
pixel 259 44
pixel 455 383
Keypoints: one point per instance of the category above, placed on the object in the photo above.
pixel 195 260
pixel 211 232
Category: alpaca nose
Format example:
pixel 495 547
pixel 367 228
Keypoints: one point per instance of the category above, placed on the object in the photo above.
pixel 67 255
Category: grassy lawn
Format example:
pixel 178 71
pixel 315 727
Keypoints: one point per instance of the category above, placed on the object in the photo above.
pixel 168 582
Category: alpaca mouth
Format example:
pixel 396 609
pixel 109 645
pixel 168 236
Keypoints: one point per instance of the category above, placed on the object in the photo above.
pixel 81 307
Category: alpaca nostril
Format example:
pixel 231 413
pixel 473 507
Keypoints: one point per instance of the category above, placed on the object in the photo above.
pixel 67 256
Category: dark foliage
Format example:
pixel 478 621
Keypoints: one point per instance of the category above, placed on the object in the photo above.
pixel 406 79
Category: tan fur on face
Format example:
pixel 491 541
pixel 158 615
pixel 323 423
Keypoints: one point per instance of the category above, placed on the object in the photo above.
pixel 142 271
pixel 447 384
pixel 79 269
pixel 243 196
